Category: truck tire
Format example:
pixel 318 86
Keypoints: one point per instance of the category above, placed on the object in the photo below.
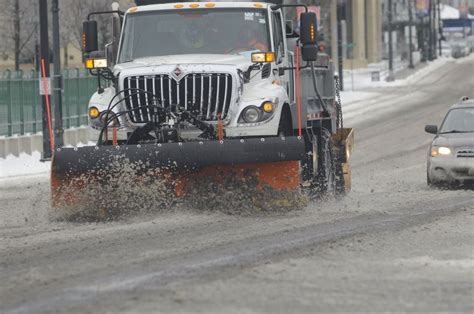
pixel 319 169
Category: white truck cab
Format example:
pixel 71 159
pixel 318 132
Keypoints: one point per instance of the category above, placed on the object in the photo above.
pixel 198 57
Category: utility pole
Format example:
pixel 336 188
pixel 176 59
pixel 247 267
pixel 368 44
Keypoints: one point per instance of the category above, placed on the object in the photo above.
pixel 435 31
pixel 57 78
pixel 17 33
pixel 440 29
pixel 391 75
pixel 44 57
pixel 341 15
pixel 410 34
pixel 430 33
pixel 423 39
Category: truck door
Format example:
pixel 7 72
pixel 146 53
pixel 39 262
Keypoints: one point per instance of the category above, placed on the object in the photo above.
pixel 279 46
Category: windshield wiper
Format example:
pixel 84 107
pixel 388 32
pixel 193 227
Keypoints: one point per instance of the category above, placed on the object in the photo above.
pixel 456 131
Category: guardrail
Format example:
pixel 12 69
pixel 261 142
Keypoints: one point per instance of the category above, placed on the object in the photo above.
pixel 21 105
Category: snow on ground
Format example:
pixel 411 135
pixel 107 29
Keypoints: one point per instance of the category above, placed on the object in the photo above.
pixel 369 95
pixel 24 165
pixel 362 78
pixel 351 97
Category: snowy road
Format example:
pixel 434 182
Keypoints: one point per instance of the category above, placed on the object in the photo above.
pixel 393 244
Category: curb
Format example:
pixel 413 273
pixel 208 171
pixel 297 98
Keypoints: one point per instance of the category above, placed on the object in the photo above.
pixel 28 144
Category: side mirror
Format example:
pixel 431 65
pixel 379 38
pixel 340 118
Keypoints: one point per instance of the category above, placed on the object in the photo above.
pixel 289 28
pixel 432 129
pixel 308 36
pixel 90 41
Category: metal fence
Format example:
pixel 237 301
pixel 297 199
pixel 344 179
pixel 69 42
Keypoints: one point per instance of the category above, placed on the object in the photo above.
pixel 21 105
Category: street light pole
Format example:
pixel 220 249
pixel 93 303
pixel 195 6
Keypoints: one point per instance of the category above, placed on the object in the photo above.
pixel 44 58
pixel 410 34
pixel 391 76
pixel 430 33
pixel 423 39
pixel 440 29
pixel 57 78
pixel 435 31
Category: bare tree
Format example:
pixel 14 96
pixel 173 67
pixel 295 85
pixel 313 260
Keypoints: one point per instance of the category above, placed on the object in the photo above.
pixel 17 29
pixel 76 13
pixel 19 25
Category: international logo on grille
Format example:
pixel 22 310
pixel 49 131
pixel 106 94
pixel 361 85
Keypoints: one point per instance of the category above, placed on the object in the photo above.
pixel 177 74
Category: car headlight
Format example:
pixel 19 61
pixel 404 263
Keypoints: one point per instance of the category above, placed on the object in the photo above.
pixel 251 114
pixel 440 151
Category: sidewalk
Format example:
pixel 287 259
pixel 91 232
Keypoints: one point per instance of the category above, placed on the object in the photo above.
pixel 362 78
pixel 359 86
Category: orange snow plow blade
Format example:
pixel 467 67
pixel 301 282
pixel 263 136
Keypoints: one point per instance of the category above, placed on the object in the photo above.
pixel 97 182
pixel 284 176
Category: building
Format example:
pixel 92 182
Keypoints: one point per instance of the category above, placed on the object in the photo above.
pixel 361 29
pixel 363 21
pixel 400 26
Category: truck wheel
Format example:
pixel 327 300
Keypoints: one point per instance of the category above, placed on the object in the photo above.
pixel 319 170
pixel 327 174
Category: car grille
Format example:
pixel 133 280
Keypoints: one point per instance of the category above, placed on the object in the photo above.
pixel 205 95
pixel 465 153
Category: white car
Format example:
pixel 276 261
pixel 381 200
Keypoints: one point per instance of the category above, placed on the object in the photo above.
pixel 451 154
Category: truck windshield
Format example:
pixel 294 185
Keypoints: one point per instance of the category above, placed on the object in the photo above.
pixel 214 31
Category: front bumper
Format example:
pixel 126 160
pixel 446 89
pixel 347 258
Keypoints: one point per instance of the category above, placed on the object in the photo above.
pixel 451 169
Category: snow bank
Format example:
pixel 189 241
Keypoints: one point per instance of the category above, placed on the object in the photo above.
pixel 24 165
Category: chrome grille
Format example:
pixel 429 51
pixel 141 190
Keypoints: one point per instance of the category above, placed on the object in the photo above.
pixel 205 95
pixel 465 153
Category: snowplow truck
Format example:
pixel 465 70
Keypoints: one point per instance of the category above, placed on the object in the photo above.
pixel 192 92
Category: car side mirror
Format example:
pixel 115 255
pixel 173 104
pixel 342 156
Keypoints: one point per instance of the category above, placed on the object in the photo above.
pixel 432 129
pixel 308 36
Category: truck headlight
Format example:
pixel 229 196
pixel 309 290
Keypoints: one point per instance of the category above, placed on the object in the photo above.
pixel 251 114
pixel 94 112
pixel 267 107
pixel 440 151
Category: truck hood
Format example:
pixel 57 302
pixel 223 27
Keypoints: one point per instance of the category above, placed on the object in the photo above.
pixel 241 62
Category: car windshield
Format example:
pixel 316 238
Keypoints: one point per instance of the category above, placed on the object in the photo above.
pixel 459 121
pixel 216 31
